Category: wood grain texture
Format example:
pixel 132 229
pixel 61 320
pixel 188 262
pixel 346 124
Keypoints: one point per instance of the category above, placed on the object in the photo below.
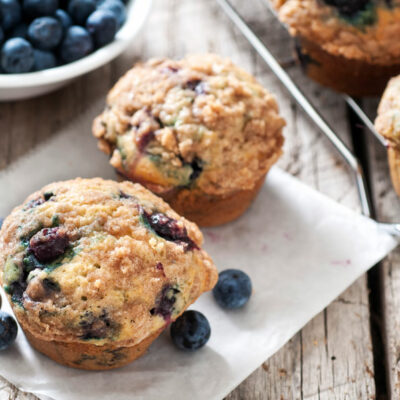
pixel 331 357
pixel 387 206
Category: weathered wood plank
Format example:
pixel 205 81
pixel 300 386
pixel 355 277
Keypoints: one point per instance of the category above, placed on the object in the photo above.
pixel 335 347
pixel 331 358
pixel 388 209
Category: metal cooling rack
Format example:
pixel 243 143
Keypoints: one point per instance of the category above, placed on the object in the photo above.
pixel 348 157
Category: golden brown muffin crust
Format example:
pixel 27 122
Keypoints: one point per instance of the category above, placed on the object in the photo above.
pixel 198 122
pixel 371 36
pixel 128 267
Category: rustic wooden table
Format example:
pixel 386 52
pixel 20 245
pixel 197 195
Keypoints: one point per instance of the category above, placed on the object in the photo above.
pixel 351 350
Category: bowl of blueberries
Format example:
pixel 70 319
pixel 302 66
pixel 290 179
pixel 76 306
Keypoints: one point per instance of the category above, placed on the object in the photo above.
pixel 44 44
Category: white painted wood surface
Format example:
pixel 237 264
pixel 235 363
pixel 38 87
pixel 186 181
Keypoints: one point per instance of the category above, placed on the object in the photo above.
pixel 331 358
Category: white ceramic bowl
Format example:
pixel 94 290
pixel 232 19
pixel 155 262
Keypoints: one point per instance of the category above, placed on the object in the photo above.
pixel 23 86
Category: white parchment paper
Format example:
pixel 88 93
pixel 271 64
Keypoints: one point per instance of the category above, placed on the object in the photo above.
pixel 300 248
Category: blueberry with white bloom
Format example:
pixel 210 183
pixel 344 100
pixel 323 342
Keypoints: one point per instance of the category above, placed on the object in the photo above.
pixel 55 32
pixel 76 44
pixel 64 18
pixel 190 331
pixel 17 56
pixel 117 8
pixel 233 289
pixel 102 25
pixel 43 60
pixel 45 33
pixel 79 10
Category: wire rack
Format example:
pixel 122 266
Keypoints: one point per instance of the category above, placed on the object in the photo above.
pixel 347 155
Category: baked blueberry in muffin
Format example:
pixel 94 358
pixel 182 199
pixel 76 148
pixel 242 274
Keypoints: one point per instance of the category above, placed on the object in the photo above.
pixel 351 46
pixel 95 270
pixel 200 132
pixel 355 12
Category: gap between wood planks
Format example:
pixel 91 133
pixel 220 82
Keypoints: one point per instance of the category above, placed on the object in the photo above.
pixel 374 275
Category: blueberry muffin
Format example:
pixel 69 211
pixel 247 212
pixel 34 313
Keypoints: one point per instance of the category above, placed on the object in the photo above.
pixel 199 132
pixel 387 124
pixel 351 46
pixel 95 270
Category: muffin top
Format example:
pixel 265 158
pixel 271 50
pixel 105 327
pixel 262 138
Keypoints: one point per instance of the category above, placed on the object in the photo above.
pixel 199 122
pixel 96 261
pixel 387 122
pixel 365 30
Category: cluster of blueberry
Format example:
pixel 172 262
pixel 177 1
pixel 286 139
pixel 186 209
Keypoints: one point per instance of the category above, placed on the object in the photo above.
pixel 41 34
pixel 191 330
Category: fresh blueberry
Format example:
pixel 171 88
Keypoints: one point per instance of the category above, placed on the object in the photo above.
pixel 17 56
pixel 64 19
pixel 76 44
pixel 117 8
pixel 8 330
pixel 21 30
pixel 45 33
pixel 233 289
pixel 1 35
pixel 43 60
pixel 10 13
pixel 102 25
pixel 39 8
pixel 79 10
pixel 190 331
